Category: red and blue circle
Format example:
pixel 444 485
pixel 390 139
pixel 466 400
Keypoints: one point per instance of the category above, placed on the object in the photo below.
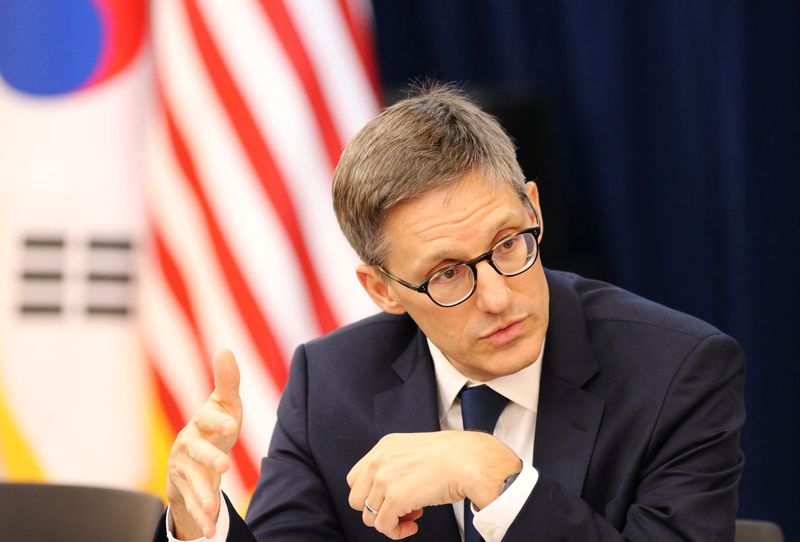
pixel 53 47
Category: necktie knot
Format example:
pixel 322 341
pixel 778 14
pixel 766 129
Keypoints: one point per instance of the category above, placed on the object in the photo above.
pixel 481 407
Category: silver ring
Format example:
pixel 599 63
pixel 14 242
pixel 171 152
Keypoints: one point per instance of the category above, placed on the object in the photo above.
pixel 370 509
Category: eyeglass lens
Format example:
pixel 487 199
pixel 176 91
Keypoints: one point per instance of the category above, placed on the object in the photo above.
pixel 511 256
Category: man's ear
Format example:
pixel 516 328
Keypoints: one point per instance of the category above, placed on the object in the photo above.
pixel 533 196
pixel 376 284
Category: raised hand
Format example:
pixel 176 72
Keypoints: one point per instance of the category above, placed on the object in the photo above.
pixel 199 455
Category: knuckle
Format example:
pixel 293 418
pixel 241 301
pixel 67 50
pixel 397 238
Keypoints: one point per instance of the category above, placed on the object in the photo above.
pixel 180 470
pixel 390 497
pixel 181 444
pixel 374 466
pixel 382 480
pixel 173 470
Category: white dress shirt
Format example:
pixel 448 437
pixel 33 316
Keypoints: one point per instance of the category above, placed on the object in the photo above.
pixel 516 427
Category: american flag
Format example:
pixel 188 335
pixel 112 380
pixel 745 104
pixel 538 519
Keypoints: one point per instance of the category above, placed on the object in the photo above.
pixel 256 100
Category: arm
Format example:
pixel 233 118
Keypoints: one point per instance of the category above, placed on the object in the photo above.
pixel 291 501
pixel 689 474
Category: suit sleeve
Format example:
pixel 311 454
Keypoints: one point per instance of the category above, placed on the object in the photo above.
pixel 688 484
pixel 291 501
pixel 237 529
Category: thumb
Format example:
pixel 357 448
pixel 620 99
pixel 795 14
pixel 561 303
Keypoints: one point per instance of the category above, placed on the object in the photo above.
pixel 226 379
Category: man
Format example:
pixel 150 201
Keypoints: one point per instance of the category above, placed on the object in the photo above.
pixel 598 415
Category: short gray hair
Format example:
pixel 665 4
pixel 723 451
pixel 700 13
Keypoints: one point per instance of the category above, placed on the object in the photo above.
pixel 424 142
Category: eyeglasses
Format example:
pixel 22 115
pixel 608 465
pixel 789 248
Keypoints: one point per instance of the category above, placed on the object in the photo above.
pixel 455 283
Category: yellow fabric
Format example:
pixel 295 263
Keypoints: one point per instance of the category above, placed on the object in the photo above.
pixel 17 459
pixel 160 439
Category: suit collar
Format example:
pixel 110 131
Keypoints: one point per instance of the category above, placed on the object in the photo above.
pixel 569 355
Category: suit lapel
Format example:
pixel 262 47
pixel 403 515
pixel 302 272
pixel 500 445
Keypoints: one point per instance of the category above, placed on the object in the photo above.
pixel 566 429
pixel 411 407
pixel 569 417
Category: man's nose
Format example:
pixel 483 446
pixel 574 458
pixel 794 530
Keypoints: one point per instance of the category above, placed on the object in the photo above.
pixel 491 289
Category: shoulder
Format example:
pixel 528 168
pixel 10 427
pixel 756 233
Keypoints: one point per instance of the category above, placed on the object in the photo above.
pixel 380 331
pixel 606 304
pixel 363 350
pixel 635 341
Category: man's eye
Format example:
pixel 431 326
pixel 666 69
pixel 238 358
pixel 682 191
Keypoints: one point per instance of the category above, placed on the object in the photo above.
pixel 508 244
pixel 449 275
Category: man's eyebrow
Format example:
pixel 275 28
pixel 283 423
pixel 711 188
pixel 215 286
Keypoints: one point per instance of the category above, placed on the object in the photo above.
pixel 426 265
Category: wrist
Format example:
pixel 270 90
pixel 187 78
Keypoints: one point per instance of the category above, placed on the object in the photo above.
pixel 497 463
pixel 182 524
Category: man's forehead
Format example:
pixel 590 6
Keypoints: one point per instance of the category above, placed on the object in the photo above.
pixel 461 238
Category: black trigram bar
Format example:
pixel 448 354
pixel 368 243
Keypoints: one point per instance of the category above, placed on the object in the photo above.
pixel 45 276
pixel 96 276
pixel 108 243
pixel 40 308
pixel 107 310
pixel 36 241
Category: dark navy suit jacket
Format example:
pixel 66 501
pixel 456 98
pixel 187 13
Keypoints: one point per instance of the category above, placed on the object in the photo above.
pixel 637 435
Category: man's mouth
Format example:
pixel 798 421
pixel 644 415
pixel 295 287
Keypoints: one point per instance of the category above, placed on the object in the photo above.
pixel 504 333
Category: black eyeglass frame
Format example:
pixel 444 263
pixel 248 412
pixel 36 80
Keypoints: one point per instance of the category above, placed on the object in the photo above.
pixel 422 287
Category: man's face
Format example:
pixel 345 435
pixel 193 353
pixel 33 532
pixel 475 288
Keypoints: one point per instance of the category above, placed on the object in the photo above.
pixel 501 328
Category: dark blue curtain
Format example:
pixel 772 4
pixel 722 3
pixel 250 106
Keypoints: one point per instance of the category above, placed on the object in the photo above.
pixel 673 143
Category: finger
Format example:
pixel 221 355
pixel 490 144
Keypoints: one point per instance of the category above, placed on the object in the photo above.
pixel 387 520
pixel 209 420
pixel 355 472
pixel 360 489
pixel 404 529
pixel 194 504
pixel 226 379
pixel 375 500
pixel 207 455
pixel 194 481
pixel 414 515
pixel 373 456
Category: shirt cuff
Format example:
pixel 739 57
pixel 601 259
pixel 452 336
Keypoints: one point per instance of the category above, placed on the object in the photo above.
pixel 223 525
pixel 493 521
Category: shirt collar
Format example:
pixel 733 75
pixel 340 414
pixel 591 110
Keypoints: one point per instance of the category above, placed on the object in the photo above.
pixel 521 387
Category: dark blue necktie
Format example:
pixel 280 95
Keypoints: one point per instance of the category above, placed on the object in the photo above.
pixel 480 408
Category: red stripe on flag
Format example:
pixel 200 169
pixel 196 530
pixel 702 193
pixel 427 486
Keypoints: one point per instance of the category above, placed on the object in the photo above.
pixel 261 160
pixel 168 403
pixel 284 28
pixel 365 47
pixel 241 458
pixel 255 322
pixel 245 465
pixel 177 287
